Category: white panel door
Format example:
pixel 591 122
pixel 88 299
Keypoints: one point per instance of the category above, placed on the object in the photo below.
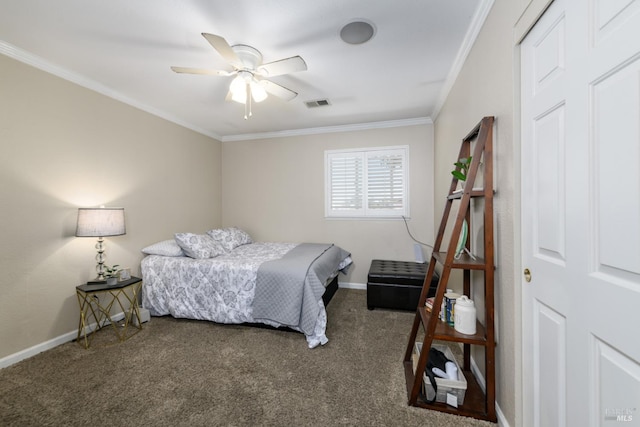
pixel 581 215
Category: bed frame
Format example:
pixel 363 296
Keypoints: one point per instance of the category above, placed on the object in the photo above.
pixel 332 287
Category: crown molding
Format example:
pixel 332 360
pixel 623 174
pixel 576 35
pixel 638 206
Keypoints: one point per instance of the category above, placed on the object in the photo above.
pixel 38 62
pixel 470 38
pixel 330 129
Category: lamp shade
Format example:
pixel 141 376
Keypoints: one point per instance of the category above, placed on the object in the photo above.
pixel 100 222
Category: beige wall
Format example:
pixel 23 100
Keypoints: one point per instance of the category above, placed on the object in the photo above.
pixel 274 188
pixel 485 87
pixel 63 147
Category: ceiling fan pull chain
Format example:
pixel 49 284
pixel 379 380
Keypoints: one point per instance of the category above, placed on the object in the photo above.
pixel 246 103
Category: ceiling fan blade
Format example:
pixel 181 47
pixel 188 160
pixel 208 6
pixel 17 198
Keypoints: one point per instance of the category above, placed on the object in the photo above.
pixel 223 48
pixel 277 90
pixel 283 66
pixel 188 70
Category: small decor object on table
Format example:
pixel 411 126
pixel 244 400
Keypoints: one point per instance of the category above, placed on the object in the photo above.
pixel 111 274
pixel 124 274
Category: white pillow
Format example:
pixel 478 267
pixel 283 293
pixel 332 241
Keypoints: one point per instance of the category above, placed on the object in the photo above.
pixel 198 246
pixel 230 237
pixel 164 248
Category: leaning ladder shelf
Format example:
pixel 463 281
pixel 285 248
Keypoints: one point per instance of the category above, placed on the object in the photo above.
pixel 477 403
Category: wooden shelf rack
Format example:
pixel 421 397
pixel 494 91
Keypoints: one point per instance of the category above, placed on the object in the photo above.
pixel 478 403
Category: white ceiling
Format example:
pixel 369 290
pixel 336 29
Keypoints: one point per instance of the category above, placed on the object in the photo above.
pixel 124 48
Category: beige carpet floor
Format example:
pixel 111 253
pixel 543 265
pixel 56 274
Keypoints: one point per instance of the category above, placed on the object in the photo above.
pixel 178 372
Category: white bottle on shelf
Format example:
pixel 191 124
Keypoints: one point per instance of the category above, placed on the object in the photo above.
pixel 465 316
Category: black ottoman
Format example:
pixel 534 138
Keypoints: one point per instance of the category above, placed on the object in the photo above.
pixel 397 284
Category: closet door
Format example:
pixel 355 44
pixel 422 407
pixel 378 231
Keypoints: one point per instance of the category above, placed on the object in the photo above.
pixel 581 214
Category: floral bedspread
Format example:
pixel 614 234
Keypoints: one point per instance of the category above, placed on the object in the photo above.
pixel 219 289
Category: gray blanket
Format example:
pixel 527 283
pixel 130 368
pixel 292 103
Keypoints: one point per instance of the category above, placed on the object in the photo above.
pixel 288 289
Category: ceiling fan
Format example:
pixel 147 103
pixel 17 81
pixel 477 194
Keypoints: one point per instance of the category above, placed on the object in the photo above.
pixel 251 81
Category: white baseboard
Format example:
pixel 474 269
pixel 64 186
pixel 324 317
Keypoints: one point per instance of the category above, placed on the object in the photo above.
pixel 48 345
pixel 358 286
pixel 502 421
pixel 39 348
pixel 478 375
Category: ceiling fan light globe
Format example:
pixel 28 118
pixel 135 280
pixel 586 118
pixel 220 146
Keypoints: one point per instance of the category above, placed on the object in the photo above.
pixel 238 89
pixel 238 84
pixel 258 92
pixel 239 96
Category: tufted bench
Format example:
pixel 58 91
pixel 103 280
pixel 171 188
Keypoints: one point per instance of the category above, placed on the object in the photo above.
pixel 397 284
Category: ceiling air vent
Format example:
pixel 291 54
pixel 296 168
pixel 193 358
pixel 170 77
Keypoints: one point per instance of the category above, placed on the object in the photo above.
pixel 317 103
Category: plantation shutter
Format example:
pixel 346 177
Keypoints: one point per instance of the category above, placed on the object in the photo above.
pixel 386 181
pixel 346 184
pixel 366 182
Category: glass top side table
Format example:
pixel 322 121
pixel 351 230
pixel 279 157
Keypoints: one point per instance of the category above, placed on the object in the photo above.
pixel 98 304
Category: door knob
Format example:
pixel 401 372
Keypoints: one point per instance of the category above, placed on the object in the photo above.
pixel 527 275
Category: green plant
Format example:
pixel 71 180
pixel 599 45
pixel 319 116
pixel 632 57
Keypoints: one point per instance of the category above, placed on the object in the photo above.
pixel 462 168
pixel 111 271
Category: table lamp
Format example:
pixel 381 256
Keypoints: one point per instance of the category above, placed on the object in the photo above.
pixel 100 222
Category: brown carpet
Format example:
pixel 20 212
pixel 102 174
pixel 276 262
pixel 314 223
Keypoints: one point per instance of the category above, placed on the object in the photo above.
pixel 193 373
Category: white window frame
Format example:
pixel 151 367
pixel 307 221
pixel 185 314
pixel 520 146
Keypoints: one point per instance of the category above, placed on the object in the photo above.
pixel 363 156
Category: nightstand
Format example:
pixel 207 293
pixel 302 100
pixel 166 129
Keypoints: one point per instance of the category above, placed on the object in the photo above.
pixel 97 303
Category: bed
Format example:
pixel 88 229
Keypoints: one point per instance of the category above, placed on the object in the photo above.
pixel 225 277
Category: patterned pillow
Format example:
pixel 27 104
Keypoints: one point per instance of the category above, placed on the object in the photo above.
pixel 230 238
pixel 198 245
pixel 164 248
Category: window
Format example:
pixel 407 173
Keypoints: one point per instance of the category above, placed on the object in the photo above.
pixel 368 182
